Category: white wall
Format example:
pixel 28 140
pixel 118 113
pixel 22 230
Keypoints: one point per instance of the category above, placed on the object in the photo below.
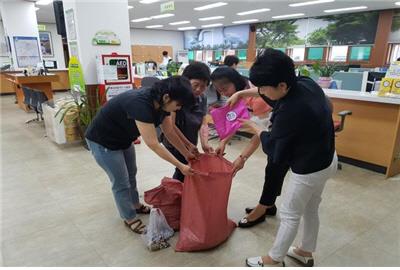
pixel 158 37
pixel 57 45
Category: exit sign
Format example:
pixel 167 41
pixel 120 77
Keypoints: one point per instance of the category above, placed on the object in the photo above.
pixel 168 6
pixel 42 27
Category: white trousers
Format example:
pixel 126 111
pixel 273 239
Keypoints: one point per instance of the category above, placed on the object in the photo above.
pixel 301 199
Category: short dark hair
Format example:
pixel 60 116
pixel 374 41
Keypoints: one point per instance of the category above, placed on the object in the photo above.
pixel 164 53
pixel 271 68
pixel 231 75
pixel 177 87
pixel 231 60
pixel 197 70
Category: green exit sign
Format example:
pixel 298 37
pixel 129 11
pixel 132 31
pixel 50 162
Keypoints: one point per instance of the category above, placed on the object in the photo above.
pixel 167 6
pixel 42 27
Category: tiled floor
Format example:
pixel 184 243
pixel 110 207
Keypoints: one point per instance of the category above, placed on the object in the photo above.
pixel 57 209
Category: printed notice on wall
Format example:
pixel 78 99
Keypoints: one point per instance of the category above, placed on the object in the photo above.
pixel 27 51
pixel 70 19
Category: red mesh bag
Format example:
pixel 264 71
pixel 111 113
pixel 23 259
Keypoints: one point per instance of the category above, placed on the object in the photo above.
pixel 204 218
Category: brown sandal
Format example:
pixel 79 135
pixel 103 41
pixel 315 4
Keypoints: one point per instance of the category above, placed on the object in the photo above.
pixel 143 209
pixel 138 228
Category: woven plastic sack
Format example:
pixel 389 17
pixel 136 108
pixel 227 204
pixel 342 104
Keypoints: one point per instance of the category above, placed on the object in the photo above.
pixel 204 218
pixel 168 198
pixel 158 231
pixel 226 118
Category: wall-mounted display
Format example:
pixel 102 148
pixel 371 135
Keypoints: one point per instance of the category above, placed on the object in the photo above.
pixel 46 45
pixel 342 29
pixel 27 51
pixel 230 37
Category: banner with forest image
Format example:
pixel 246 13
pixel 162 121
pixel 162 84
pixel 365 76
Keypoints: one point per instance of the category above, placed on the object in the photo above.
pixel 342 29
pixel 395 30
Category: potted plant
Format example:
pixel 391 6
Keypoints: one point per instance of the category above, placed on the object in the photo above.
pixel 173 68
pixel 303 71
pixel 325 73
pixel 79 112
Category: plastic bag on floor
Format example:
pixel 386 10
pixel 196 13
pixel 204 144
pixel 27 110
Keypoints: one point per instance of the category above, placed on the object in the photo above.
pixel 226 118
pixel 158 231
pixel 204 218
pixel 167 197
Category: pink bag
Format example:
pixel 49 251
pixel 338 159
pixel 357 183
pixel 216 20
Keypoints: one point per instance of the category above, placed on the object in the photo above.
pixel 226 118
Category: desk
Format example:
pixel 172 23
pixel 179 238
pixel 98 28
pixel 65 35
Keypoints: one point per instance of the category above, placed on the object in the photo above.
pixel 372 132
pixel 42 83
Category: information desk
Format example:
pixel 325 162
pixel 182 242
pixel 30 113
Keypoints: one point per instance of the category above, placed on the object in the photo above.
pixel 371 134
pixel 41 83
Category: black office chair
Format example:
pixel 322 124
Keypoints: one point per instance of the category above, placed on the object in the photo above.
pixel 34 99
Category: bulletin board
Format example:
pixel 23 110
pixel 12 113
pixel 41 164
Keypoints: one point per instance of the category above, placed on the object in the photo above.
pixel 27 51
pixel 142 53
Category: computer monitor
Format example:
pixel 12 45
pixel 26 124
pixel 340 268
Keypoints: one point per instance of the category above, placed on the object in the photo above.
pixel 372 78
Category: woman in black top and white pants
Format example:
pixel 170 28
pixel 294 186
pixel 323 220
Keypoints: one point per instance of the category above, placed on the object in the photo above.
pixel 121 121
pixel 302 137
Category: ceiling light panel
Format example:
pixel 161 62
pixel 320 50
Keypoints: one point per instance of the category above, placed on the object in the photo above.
pixel 130 7
pixel 345 9
pixel 245 21
pixel 214 5
pixel 308 3
pixel 186 28
pixel 179 23
pixel 155 26
pixel 288 16
pixel 141 20
pixel 149 1
pixel 43 2
pixel 253 11
pixel 161 16
pixel 212 25
pixel 211 18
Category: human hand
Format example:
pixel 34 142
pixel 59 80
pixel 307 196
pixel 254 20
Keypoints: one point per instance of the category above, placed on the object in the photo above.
pixel 194 151
pixel 220 151
pixel 238 164
pixel 250 126
pixel 186 169
pixel 232 100
pixel 208 149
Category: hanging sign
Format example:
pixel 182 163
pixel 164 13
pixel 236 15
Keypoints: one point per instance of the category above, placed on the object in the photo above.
pixel 75 74
pixel 167 6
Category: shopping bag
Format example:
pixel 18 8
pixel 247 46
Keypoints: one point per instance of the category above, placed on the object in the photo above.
pixel 226 119
pixel 158 231
pixel 204 218
pixel 167 197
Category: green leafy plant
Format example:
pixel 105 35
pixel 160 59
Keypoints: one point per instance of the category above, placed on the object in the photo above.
pixel 80 110
pixel 324 70
pixel 304 71
pixel 173 67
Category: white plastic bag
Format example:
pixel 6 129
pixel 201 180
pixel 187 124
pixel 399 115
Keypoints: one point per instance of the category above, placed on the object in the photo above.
pixel 158 231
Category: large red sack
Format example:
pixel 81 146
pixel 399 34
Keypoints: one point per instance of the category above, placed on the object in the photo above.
pixel 204 218
pixel 167 197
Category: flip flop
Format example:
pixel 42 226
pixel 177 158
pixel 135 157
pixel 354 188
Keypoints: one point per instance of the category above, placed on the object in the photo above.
pixel 143 209
pixel 136 226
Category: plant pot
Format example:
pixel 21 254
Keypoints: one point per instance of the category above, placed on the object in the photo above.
pixel 324 82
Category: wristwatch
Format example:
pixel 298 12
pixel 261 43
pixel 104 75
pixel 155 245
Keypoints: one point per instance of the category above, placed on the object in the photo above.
pixel 243 157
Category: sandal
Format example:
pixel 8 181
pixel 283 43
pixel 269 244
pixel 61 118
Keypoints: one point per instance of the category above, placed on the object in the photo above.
pixel 143 209
pixel 138 228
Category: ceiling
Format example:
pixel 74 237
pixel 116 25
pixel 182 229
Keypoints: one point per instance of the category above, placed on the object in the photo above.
pixel 184 11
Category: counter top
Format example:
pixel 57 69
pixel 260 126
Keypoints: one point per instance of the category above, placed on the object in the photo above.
pixel 362 96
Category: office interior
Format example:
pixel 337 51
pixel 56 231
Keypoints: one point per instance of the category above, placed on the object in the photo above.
pixel 57 207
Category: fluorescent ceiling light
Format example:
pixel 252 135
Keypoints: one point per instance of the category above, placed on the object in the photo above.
pixel 288 16
pixel 155 26
pixel 36 8
pixel 245 21
pixel 187 28
pixel 141 20
pixel 316 2
pixel 179 23
pixel 345 9
pixel 397 3
pixel 129 7
pixel 212 25
pixel 253 11
pixel 148 1
pixel 43 2
pixel 166 15
pixel 211 18
pixel 215 5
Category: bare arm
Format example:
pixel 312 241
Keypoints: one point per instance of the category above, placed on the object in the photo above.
pixel 204 136
pixel 251 92
pixel 238 164
pixel 149 136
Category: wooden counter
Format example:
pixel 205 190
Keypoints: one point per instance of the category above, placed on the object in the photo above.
pixel 41 83
pixel 372 133
pixel 62 84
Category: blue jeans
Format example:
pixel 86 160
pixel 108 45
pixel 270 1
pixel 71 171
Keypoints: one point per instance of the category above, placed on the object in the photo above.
pixel 120 166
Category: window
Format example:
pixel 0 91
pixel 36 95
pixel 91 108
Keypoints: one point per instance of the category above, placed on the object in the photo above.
pixel 394 52
pixel 360 53
pixel 298 54
pixel 191 55
pixel 218 55
pixel 315 53
pixel 338 53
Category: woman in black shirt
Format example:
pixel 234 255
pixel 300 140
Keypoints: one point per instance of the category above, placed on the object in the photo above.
pixel 302 136
pixel 121 121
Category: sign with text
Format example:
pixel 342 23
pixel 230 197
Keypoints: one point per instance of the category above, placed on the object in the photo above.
pixel 167 6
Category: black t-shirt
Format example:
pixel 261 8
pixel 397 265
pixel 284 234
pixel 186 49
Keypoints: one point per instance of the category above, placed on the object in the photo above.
pixel 302 133
pixel 189 120
pixel 114 126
